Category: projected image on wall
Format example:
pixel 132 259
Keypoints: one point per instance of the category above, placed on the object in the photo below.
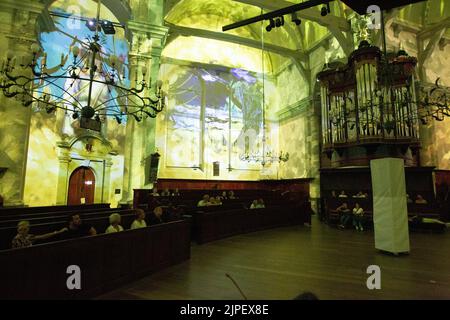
pixel 64 32
pixel 213 115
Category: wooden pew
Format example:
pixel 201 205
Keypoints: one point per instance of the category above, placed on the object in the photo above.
pixel 106 262
pixel 48 217
pixel 210 226
pixel 28 210
pixel 99 221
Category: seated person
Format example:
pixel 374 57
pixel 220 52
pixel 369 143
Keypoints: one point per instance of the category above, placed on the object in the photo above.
pixel 156 216
pixel 223 196
pixel 176 193
pixel 342 194
pixel 261 204
pixel 231 195
pixel 139 222
pixel 165 193
pixel 360 194
pixel 358 213
pixel 254 204
pixel 408 199
pixel 215 201
pixel 155 192
pixel 333 194
pixel 345 214
pixel 114 220
pixel 416 220
pixel 174 212
pixel 77 228
pixel 420 200
pixel 24 239
pixel 204 202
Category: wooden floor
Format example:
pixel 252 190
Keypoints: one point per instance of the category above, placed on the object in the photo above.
pixel 280 263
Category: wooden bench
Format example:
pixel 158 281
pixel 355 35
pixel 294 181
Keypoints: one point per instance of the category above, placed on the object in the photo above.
pixel 44 209
pixel 100 221
pixel 210 226
pixel 106 262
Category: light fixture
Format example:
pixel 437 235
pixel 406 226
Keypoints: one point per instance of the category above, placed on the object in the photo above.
pixel 108 27
pixel 90 65
pixel 280 22
pixel 295 19
pixel 266 155
pixel 92 24
pixel 271 25
pixel 325 10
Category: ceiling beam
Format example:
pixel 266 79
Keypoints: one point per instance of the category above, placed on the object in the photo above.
pixel 185 31
pixel 432 29
pixel 339 27
pixel 310 14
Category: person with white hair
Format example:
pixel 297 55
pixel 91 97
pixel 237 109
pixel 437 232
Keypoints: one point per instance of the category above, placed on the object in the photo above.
pixel 23 239
pixel 114 220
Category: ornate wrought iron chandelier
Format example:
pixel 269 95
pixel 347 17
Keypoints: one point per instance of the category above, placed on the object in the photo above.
pixel 28 79
pixel 267 155
pixel 433 102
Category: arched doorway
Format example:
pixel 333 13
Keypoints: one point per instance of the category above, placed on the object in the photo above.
pixel 81 186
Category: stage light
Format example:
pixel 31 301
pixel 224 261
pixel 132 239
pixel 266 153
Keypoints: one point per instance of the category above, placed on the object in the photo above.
pixel 295 19
pixel 91 24
pixel 280 22
pixel 325 10
pixel 108 27
pixel 271 25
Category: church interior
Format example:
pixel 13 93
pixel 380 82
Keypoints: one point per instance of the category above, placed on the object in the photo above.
pixel 224 149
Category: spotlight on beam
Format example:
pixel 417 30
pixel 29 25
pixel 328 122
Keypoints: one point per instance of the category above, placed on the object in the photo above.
pixel 91 24
pixel 295 19
pixel 325 10
pixel 108 27
pixel 271 25
pixel 280 22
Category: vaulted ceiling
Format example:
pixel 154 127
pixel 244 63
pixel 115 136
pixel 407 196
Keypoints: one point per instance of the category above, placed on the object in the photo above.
pixel 205 19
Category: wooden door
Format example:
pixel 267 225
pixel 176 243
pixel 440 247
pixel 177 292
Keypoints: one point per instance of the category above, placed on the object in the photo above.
pixel 81 185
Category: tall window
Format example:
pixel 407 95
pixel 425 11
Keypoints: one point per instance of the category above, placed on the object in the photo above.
pixel 213 115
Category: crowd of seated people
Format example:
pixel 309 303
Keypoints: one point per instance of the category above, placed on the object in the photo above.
pixel 208 200
pixel 257 204
pixel 165 193
pixel 364 195
pixel 355 215
pixel 76 228
pixel 342 194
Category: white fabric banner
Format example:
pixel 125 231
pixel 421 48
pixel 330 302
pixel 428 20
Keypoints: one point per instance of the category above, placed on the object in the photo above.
pixel 390 212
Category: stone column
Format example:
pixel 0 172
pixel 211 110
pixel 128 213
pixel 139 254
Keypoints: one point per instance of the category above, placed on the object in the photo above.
pixel 107 179
pixel 147 44
pixel 63 173
pixel 17 33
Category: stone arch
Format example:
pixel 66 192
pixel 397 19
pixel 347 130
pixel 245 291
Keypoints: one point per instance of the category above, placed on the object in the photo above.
pixel 120 8
pixel 85 150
